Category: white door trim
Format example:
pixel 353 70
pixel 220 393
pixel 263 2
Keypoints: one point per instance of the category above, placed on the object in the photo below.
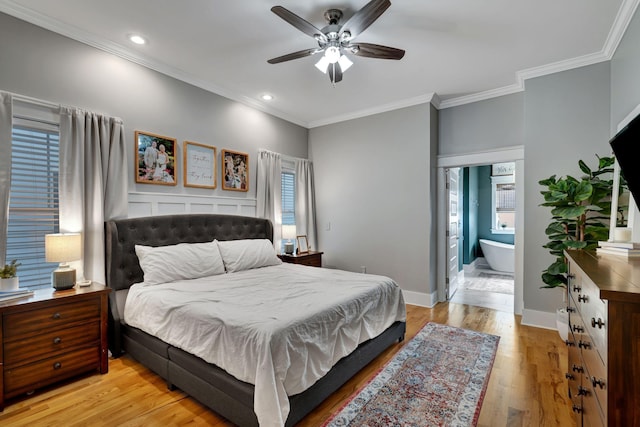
pixel 508 154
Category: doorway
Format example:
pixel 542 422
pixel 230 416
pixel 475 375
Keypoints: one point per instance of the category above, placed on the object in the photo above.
pixel 444 215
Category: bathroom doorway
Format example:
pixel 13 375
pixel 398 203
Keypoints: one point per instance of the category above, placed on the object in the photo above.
pixel 498 287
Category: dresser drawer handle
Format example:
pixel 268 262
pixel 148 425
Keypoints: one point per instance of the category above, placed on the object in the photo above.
pixel 571 309
pixel 599 323
pixel 577 409
pixel 577 368
pixel 578 328
pixel 584 344
pixel 597 382
pixel 583 298
pixel 577 288
pixel 569 343
pixel 57 365
pixel 56 315
pixel 582 391
pixel 57 340
pixel 569 376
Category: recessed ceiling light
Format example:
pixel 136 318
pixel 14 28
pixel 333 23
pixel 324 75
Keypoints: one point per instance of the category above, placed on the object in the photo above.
pixel 267 97
pixel 137 39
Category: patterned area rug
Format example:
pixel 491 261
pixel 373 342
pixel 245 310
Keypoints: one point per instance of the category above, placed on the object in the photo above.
pixel 490 282
pixel 439 378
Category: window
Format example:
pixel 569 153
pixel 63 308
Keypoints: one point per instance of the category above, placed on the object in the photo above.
pixel 503 204
pixel 33 200
pixel 288 199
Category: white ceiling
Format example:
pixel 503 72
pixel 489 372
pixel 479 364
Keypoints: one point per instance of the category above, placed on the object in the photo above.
pixel 457 51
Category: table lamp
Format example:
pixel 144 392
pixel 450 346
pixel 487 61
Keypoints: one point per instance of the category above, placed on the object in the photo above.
pixel 63 248
pixel 288 233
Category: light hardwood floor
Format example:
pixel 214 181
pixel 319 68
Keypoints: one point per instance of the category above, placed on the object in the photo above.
pixel 526 387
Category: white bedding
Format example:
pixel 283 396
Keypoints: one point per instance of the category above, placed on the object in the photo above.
pixel 280 328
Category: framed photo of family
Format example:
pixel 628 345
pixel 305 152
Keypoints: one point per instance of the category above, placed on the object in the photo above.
pixel 199 169
pixel 235 171
pixel 155 159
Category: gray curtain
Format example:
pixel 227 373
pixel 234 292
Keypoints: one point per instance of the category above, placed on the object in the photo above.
pixel 306 202
pixel 269 191
pixel 6 114
pixel 93 181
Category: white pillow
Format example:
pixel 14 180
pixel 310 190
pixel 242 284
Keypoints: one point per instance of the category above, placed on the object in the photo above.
pixel 164 264
pixel 246 254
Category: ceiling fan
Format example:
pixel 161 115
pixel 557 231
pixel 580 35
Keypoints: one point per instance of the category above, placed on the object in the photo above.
pixel 336 40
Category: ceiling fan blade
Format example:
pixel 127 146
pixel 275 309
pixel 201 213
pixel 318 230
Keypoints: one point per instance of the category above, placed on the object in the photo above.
pixel 294 55
pixel 335 73
pixel 299 23
pixel 361 20
pixel 370 50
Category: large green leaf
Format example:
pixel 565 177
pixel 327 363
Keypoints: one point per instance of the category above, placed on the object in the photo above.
pixel 558 267
pixel 584 189
pixel 574 244
pixel 568 211
pixel 584 168
pixel 554 280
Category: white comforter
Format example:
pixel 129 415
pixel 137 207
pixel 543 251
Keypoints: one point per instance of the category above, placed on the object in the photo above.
pixel 280 328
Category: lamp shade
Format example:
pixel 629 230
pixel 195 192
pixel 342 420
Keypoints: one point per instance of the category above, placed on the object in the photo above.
pixel 288 231
pixel 62 247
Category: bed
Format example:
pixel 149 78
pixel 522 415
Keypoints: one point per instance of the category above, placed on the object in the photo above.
pixel 242 401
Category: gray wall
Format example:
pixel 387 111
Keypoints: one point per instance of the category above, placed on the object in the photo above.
pixel 625 74
pixel 566 119
pixel 375 190
pixel 41 64
pixel 484 125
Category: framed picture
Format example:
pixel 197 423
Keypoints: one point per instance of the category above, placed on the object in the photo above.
pixel 499 169
pixel 235 171
pixel 303 245
pixel 155 159
pixel 199 165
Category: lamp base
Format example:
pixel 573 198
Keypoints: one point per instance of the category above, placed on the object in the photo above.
pixel 63 278
pixel 288 248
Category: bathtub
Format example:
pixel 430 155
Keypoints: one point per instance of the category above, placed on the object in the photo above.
pixel 499 256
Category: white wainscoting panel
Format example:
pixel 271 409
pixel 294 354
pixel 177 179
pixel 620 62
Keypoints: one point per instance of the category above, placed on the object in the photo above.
pixel 149 204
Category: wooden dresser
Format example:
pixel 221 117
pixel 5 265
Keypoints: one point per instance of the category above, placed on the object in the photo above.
pixel 52 336
pixel 604 339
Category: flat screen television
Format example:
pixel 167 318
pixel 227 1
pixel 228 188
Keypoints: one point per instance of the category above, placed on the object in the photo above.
pixel 626 147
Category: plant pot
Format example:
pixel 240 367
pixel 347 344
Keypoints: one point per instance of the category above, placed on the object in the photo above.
pixel 10 284
pixel 562 323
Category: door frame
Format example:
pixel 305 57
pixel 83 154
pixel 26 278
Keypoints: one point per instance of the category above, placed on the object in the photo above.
pixel 507 154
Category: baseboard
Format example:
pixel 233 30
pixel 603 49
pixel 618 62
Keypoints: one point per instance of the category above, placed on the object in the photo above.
pixel 539 319
pixel 420 299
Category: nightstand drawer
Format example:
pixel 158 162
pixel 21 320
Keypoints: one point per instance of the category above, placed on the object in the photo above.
pixel 35 375
pixel 23 350
pixel 26 322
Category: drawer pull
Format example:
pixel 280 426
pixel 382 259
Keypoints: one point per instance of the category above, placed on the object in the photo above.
pixel 569 343
pixel 599 323
pixel 583 298
pixel 57 340
pixel 578 328
pixel 571 309
pixel 569 376
pixel 577 409
pixel 577 288
pixel 597 382
pixel 57 365
pixel 583 391
pixel 56 315
pixel 577 368
pixel 584 344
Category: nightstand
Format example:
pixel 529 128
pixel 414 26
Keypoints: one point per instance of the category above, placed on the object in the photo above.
pixel 52 336
pixel 313 258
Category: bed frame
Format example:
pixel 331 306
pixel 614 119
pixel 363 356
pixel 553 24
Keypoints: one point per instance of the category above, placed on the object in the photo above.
pixel 207 383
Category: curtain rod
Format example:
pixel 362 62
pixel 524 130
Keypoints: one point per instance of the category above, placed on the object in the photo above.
pixel 283 156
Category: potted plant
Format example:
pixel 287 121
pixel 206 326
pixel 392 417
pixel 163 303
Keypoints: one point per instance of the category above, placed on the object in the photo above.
pixel 580 210
pixel 8 276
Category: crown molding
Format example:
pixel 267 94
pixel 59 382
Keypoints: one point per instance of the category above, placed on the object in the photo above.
pixel 422 99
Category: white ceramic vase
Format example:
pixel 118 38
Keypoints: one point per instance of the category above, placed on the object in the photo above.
pixel 562 323
pixel 9 284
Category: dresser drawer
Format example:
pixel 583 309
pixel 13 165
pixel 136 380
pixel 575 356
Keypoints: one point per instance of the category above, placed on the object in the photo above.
pixel 596 376
pixel 594 314
pixel 58 340
pixel 39 374
pixel 54 316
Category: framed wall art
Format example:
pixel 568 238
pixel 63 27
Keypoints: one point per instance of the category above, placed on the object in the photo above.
pixel 155 159
pixel 199 165
pixel 235 171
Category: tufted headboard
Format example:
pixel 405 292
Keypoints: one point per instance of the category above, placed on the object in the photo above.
pixel 121 261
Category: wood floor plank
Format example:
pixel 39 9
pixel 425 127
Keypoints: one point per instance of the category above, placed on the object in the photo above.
pixel 526 387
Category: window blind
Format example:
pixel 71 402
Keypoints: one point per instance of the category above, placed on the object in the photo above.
pixel 505 197
pixel 33 201
pixel 288 199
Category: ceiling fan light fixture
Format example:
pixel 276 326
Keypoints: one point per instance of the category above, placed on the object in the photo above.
pixel 332 53
pixel 345 63
pixel 323 64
